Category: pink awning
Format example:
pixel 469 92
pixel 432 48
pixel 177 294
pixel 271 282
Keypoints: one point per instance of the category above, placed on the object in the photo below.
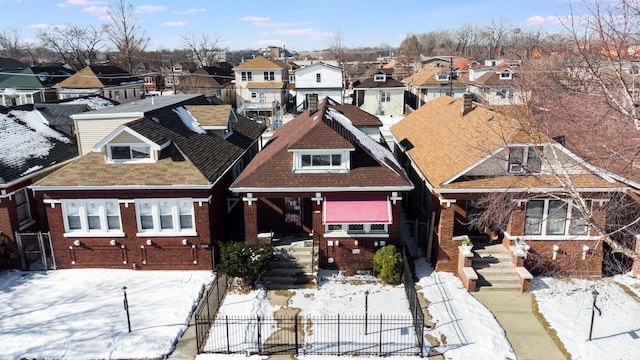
pixel 369 210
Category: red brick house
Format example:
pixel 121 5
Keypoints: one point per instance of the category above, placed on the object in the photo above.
pixel 153 194
pixel 320 175
pixel 461 152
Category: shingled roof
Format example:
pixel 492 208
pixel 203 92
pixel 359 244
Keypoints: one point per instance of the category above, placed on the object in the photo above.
pixel 28 144
pixel 372 165
pixel 191 158
pixel 98 76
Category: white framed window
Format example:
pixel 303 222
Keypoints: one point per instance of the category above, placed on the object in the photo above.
pixel 506 75
pixel 355 229
pixel 165 217
pixel 246 76
pixel 269 76
pixel 385 96
pixel 92 217
pixel 553 217
pixel 318 77
pixel 525 159
pixel 442 76
pixel 313 161
pixel 22 206
pixel 379 77
pixel 118 152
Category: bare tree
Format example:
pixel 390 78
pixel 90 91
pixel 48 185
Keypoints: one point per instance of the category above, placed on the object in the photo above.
pixel 409 51
pixel 337 47
pixel 204 49
pixel 11 43
pixel 493 36
pixel 76 45
pixel 126 34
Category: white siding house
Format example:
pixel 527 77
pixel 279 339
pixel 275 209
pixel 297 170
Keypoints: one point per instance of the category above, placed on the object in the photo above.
pixel 322 79
pixel 261 88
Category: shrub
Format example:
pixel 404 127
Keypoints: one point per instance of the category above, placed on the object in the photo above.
pixel 246 261
pixel 388 264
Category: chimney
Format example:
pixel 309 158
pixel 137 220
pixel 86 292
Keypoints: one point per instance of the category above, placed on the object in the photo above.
pixel 467 103
pixel 312 103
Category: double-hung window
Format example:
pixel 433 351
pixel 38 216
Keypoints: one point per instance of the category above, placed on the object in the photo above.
pixel 92 216
pixel 165 216
pixel 246 76
pixel 525 159
pixel 385 96
pixel 318 77
pixel 269 76
pixel 555 218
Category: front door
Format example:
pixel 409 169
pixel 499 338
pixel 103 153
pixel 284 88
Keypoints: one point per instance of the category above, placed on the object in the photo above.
pixel 293 215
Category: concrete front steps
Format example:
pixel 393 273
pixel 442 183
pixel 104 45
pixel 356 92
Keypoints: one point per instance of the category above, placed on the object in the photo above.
pixel 293 266
pixel 495 269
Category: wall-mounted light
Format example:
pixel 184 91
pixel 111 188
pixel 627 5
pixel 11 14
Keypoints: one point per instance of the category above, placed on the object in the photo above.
pixel 355 242
pixel 76 243
pixel 337 243
pixel 149 242
pixel 185 242
pixel 113 242
pixel 585 250
pixel 330 260
pixel 556 248
pixel 375 243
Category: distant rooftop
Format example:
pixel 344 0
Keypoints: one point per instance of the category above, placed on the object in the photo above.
pixel 143 105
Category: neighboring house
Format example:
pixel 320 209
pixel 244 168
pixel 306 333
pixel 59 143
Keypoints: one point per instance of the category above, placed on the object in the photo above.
pixel 9 63
pixel 153 192
pixel 321 79
pixel 112 82
pixel 320 175
pixel 431 82
pixel 58 113
pixel 93 126
pixel 174 76
pixel 262 88
pixel 380 94
pixel 210 81
pixel 29 150
pixel 496 85
pixel 460 153
pixel 31 84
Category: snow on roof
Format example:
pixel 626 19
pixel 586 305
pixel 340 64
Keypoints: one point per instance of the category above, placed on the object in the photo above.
pixel 365 140
pixel 94 102
pixel 24 135
pixel 189 121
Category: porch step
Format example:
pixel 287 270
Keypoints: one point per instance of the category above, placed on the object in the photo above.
pixel 495 269
pixel 293 266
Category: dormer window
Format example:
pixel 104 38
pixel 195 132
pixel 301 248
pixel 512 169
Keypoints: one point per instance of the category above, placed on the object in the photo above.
pixel 442 77
pixel 129 152
pixel 308 161
pixel 379 78
pixel 506 75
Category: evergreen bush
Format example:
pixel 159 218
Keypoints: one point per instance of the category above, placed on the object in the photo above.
pixel 388 264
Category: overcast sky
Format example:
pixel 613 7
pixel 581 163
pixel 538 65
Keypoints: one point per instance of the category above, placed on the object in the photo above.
pixel 296 25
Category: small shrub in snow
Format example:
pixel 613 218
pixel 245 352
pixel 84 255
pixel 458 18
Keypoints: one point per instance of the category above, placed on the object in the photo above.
pixel 388 264
pixel 246 261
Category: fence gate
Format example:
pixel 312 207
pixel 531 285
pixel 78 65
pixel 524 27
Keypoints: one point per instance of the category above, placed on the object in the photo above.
pixel 36 251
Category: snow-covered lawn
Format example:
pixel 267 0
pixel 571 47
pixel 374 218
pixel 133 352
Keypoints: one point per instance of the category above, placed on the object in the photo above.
pixel 567 306
pixel 79 314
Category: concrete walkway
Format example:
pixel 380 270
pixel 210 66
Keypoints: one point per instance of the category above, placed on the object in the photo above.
pixel 525 333
pixel 186 348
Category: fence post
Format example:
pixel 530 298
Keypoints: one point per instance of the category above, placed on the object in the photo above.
pixel 226 319
pixel 197 318
pixel 338 334
pixel 295 328
pixel 380 352
pixel 259 337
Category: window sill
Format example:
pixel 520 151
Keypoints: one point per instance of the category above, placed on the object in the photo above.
pixel 558 238
pixel 81 234
pixel 26 224
pixel 167 234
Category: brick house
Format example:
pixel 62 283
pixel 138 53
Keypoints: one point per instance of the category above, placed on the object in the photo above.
pixel 460 153
pixel 152 193
pixel 320 175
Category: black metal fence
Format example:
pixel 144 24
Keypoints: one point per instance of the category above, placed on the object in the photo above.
pixel 206 311
pixel 378 335
pixel 412 298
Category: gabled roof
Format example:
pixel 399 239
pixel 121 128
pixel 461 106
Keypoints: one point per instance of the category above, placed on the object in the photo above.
pixel 373 167
pixel 427 77
pixel 313 67
pixel 260 62
pixel 208 115
pixel 190 158
pixel 492 77
pixel 28 144
pixel 369 83
pixel 444 144
pixel 97 76
pixel 60 114
pixel 358 117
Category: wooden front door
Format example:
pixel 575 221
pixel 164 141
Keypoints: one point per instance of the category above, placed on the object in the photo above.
pixel 292 215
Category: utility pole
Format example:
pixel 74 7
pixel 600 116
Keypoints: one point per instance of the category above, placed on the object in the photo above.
pixel 451 76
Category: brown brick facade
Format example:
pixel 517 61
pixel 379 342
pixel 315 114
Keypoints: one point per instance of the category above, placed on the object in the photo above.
pixel 447 249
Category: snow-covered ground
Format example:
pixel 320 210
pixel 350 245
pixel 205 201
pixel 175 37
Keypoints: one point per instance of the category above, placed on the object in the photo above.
pixel 79 314
pixel 567 306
